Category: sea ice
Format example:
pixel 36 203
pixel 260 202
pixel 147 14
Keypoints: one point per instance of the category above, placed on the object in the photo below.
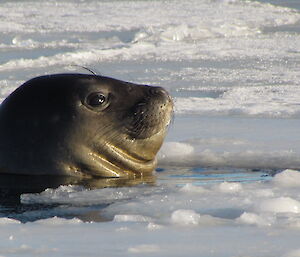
pixel 227 187
pixel 131 218
pixel 144 249
pixel 280 204
pixel 185 217
pixel 287 178
pixel 253 219
pixel 232 67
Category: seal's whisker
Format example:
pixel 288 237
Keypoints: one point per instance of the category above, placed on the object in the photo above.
pixel 86 68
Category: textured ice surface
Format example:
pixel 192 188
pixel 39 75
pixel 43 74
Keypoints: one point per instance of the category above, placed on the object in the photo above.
pixel 248 101
pixel 232 67
pixel 165 220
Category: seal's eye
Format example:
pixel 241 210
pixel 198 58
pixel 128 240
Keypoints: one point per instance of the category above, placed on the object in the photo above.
pixel 95 99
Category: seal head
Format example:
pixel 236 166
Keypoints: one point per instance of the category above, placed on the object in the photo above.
pixel 83 125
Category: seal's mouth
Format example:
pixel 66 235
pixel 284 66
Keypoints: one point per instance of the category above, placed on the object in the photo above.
pixel 117 162
pixel 149 116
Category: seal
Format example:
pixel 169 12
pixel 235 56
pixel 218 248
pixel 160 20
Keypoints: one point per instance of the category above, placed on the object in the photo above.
pixel 83 125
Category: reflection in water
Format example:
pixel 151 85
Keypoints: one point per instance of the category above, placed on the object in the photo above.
pixel 12 186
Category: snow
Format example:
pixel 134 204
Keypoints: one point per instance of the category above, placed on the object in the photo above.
pixel 228 175
pixel 165 220
pixel 133 218
pixel 185 217
pixel 280 204
pixel 294 253
pixel 253 219
pixel 288 178
pixel 144 249
pixel 248 101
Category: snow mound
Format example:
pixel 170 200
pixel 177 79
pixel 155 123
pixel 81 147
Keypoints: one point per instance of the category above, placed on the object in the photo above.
pixel 287 178
pixel 280 205
pixel 185 217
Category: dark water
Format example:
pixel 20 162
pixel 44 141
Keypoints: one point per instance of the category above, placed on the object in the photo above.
pixel 286 3
pixel 13 186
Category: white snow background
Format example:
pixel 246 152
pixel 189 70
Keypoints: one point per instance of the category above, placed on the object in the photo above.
pixel 232 67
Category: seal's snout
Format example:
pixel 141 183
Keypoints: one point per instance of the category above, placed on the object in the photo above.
pixel 154 100
pixel 151 114
pixel 159 92
pixel 161 101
